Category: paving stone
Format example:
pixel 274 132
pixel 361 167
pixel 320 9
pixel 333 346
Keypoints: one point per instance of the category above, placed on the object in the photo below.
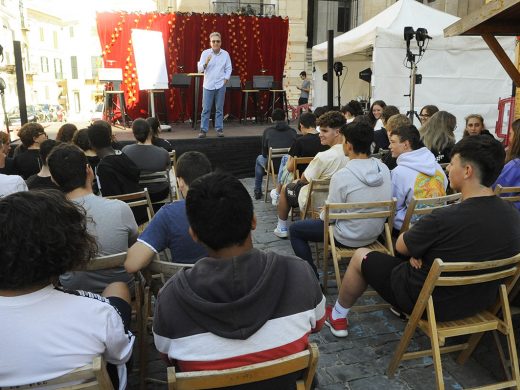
pixel 378 382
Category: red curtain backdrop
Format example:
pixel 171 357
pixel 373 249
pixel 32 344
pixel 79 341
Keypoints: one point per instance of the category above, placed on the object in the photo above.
pixel 253 43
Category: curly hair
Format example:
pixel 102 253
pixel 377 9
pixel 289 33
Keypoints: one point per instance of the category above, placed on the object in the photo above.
pixel 332 119
pixel 43 235
pixel 28 132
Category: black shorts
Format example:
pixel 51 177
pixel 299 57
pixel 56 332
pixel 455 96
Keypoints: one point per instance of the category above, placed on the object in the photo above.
pixel 376 268
pixel 292 190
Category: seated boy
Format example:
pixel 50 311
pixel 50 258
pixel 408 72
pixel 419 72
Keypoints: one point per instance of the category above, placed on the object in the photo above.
pixel 47 331
pixel 169 227
pixel 229 309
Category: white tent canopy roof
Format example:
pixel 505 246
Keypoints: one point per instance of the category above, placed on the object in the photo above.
pixel 392 20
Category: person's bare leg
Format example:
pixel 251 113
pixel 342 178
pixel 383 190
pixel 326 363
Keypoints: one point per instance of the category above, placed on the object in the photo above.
pixel 283 206
pixel 118 289
pixel 353 285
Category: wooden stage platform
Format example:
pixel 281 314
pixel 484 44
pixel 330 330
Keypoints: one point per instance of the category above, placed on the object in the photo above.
pixel 236 152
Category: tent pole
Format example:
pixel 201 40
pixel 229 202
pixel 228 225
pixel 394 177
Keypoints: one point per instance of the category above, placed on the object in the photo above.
pixel 330 70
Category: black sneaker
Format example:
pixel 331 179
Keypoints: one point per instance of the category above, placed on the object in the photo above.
pixel 220 133
pixel 258 194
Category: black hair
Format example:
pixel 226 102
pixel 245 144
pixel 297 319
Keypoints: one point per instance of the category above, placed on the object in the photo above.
pixel 45 148
pixel 278 115
pixel 359 135
pixel 81 139
pixel 389 111
pixel 28 132
pixel 220 210
pixel 308 120
pixel 141 129
pixel 332 119
pixel 67 164
pixel 43 235
pixel 354 107
pixel 155 125
pixel 66 132
pixel 409 133
pixel 100 135
pixel 319 111
pixel 484 153
pixel 303 73
pixel 192 165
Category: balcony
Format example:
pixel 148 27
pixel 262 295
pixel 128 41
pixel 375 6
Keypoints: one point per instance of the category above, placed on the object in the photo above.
pixel 244 8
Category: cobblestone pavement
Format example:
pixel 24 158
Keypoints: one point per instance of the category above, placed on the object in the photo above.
pixel 359 361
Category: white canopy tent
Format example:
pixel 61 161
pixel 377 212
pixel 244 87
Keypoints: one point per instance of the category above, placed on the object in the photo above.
pixel 459 74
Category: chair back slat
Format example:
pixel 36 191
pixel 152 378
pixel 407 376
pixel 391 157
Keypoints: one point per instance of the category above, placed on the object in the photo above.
pixel 475 279
pixel 343 210
pixel 512 194
pixel 159 177
pixel 90 376
pixel 247 374
pixel 319 186
pixel 106 262
pixel 137 199
pixel 166 268
pixel 422 206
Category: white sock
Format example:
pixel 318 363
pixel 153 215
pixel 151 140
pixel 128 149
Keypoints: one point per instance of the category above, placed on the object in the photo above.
pixel 282 224
pixel 339 311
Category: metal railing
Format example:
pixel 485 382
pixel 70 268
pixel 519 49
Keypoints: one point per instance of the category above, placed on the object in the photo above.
pixel 244 8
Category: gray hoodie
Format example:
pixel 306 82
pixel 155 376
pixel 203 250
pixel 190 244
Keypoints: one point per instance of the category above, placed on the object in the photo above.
pixel 362 180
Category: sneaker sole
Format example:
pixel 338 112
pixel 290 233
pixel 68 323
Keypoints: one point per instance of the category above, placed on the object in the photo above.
pixel 281 235
pixel 337 333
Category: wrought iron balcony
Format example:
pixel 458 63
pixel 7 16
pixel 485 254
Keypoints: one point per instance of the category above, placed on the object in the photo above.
pixel 244 8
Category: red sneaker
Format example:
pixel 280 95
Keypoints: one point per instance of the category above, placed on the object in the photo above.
pixel 337 327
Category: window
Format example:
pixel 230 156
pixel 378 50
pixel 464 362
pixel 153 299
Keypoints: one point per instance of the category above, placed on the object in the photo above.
pixel 95 62
pixel 343 15
pixel 45 64
pixel 42 34
pixel 47 94
pixel 77 103
pixel 55 39
pixel 74 67
pixel 58 70
pixel 71 31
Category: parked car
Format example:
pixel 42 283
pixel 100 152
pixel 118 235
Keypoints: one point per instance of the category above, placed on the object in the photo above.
pixel 14 116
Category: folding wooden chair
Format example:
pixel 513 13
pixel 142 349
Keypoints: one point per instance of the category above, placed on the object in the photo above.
pixel 298 161
pixel 137 199
pixel 90 376
pixel 350 211
pixel 305 361
pixel 511 194
pixel 422 206
pixel 163 271
pixel 160 177
pixel 467 273
pixel 269 167
pixel 316 197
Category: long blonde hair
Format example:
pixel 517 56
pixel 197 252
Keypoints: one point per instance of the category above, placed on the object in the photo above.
pixel 438 132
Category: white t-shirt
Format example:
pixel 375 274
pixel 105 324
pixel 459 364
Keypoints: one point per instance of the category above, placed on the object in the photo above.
pixel 48 333
pixel 323 166
pixel 9 184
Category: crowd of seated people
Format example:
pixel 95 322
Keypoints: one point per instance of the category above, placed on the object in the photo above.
pixel 226 310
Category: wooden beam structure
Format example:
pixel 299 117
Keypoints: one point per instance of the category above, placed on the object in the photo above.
pixel 494 18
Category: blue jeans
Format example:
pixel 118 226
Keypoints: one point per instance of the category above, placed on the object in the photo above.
pixel 208 97
pixel 259 171
pixel 300 233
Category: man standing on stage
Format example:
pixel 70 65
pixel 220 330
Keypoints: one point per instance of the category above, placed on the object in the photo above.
pixel 216 66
